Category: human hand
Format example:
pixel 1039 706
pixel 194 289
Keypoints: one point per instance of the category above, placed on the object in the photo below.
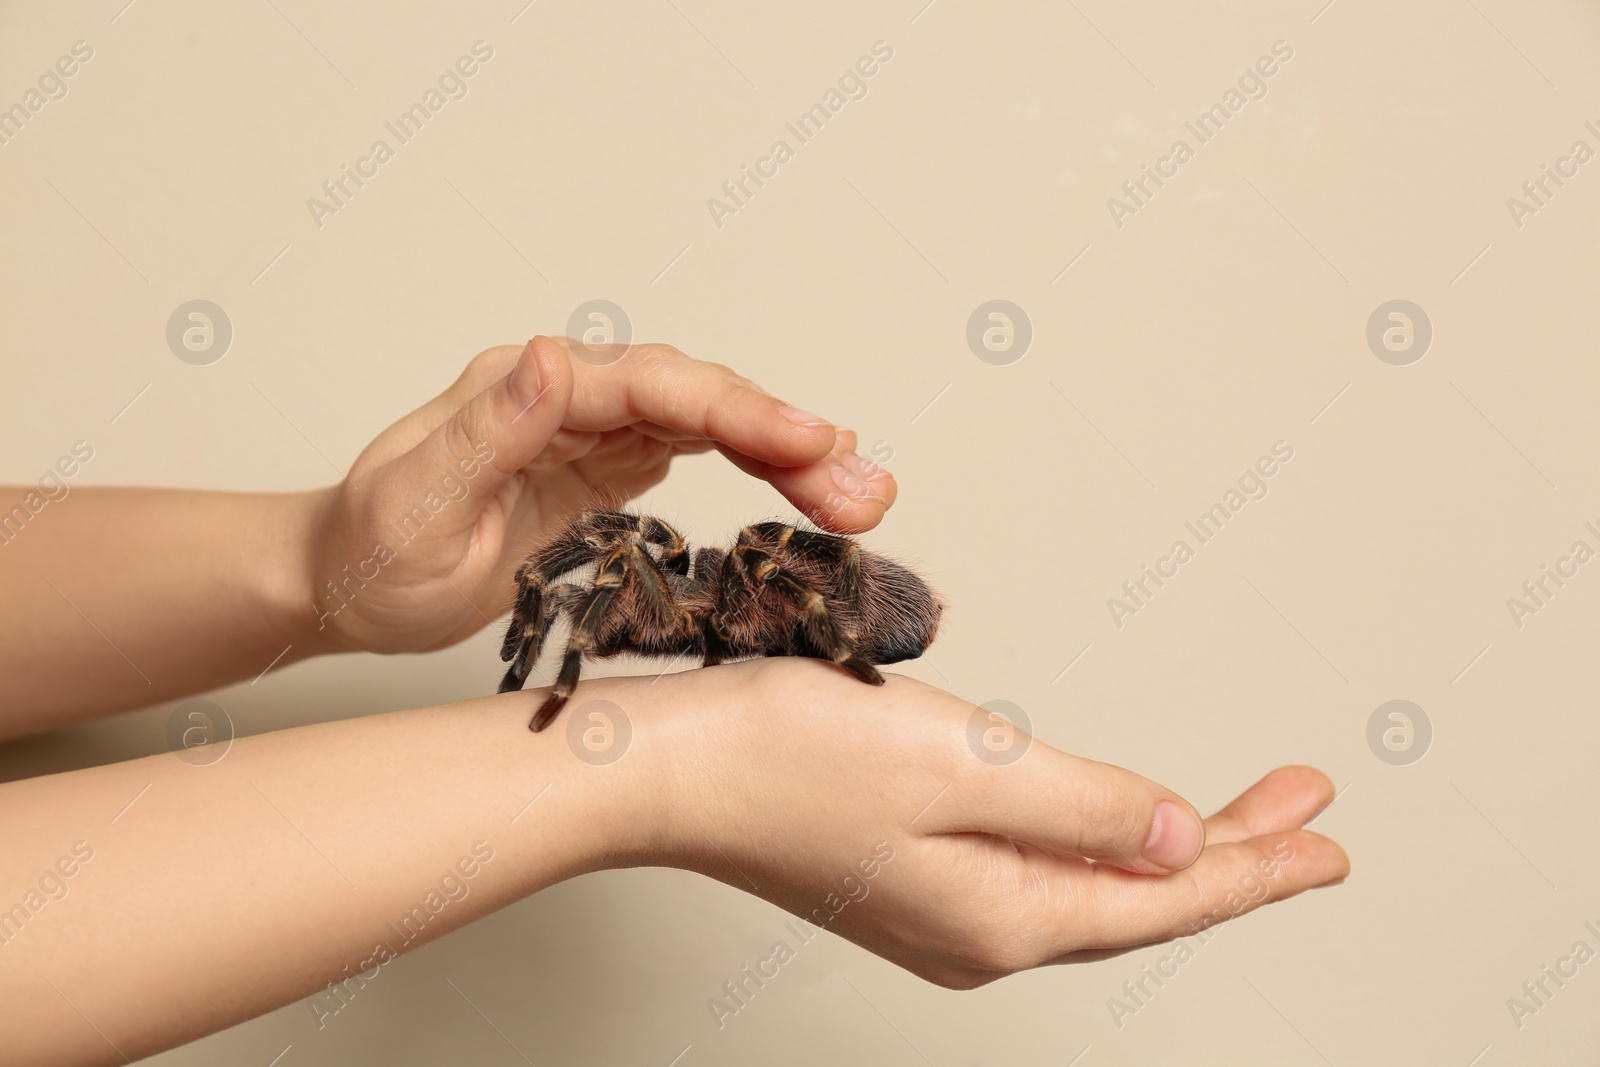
pixel 867 810
pixel 417 548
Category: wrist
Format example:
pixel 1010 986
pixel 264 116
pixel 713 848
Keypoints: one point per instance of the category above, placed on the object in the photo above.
pixel 700 758
pixel 623 745
pixel 296 524
pixel 653 763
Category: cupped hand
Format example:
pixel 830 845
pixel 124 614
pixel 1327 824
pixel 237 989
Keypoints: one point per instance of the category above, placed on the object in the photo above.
pixel 871 812
pixel 416 549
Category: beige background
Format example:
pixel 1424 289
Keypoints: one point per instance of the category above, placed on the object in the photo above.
pixel 1228 314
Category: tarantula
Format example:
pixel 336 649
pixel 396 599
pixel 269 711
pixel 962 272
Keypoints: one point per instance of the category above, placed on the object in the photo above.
pixel 779 591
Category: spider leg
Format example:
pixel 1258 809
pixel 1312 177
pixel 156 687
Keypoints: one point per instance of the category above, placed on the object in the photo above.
pixel 656 595
pixel 530 622
pixel 585 629
pixel 820 629
pixel 843 551
pixel 674 551
pixel 554 601
pixel 531 616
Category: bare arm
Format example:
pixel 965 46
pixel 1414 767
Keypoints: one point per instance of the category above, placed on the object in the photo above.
pixel 121 598
pixel 300 858
pixel 304 857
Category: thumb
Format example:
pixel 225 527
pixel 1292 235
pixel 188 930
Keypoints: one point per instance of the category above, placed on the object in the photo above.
pixel 486 440
pixel 1065 803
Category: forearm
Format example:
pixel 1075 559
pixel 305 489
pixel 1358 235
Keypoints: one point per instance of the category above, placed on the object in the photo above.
pixel 120 598
pixel 300 858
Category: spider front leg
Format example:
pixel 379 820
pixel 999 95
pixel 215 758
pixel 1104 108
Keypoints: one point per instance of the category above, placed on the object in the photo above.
pixel 819 627
pixel 662 621
pixel 581 542
pixel 842 552
pixel 586 624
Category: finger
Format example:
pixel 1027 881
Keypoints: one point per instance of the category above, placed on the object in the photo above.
pixel 1067 804
pixel 485 441
pixel 1104 908
pixel 1285 798
pixel 657 384
pixel 842 492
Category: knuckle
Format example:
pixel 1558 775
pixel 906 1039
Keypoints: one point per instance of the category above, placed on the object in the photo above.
pixel 1108 819
pixel 1000 951
pixel 655 356
pixel 730 393
pixel 1005 933
pixel 464 431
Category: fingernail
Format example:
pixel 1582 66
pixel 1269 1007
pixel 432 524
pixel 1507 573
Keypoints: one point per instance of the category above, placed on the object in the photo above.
pixel 1176 837
pixel 524 380
pixel 801 418
pixel 852 484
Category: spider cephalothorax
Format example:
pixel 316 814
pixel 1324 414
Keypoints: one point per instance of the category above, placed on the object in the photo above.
pixel 779 591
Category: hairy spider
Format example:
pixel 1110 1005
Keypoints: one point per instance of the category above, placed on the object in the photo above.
pixel 779 591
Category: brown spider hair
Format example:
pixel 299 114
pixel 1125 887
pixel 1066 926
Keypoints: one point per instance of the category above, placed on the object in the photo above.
pixel 778 591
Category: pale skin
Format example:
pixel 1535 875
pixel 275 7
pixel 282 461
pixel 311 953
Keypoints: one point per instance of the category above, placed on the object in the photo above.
pixel 778 777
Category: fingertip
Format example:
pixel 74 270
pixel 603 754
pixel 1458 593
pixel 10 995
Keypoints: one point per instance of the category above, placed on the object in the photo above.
pixel 1305 775
pixel 1305 787
pixel 1340 856
pixel 1310 783
pixel 851 517
pixel 839 491
pixel 1317 859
